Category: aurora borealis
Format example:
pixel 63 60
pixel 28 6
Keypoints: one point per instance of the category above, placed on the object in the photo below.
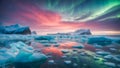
pixel 52 16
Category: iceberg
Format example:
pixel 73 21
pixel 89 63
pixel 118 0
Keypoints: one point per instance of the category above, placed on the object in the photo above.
pixel 15 29
pixel 21 53
pixel 101 40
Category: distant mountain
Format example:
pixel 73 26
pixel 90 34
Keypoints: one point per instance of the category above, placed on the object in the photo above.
pixel 77 32
pixel 15 29
pixel 34 33
pixel 83 32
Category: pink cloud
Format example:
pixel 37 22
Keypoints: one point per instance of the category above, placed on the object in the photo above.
pixel 42 20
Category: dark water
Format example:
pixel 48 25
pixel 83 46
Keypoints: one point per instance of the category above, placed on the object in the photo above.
pixel 73 58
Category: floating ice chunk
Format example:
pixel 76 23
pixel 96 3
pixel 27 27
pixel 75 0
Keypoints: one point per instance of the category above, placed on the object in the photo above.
pixel 49 56
pixel 82 53
pixel 37 57
pixel 100 40
pixel 108 56
pixel 12 53
pixel 113 49
pixel 65 50
pixel 23 56
pixel 2 50
pixel 64 57
pixel 6 58
pixel 102 53
pixel 117 58
pixel 110 64
pixel 75 64
pixel 51 61
pixel 67 61
pixel 21 46
pixel 78 46
pixel 20 52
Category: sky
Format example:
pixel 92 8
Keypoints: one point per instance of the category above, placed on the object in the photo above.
pixel 53 16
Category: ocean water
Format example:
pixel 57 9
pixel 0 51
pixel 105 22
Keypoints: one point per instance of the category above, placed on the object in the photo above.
pixel 85 51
